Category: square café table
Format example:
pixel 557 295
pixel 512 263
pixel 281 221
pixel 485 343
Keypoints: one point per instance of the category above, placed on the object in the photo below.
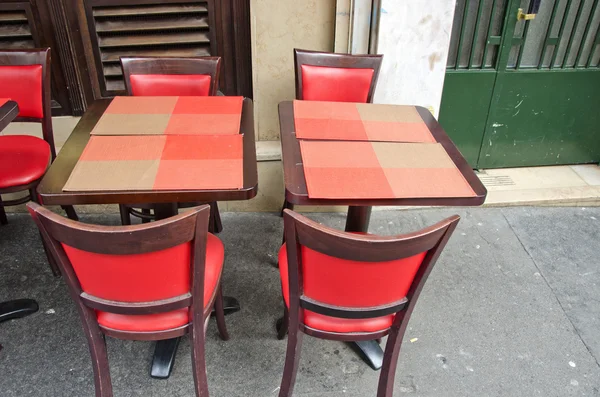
pixel 50 191
pixel 359 209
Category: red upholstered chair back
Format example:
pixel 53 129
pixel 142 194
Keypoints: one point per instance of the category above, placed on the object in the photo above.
pixel 325 76
pixel 150 76
pixel 340 274
pixel 25 78
pixel 110 267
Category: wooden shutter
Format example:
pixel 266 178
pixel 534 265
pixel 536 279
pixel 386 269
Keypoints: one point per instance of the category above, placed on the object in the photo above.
pixel 15 31
pixel 20 28
pixel 165 28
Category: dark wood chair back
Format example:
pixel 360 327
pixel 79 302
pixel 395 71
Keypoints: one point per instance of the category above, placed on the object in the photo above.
pixel 155 76
pixel 123 269
pixel 353 276
pixel 127 271
pixel 326 76
pixel 25 78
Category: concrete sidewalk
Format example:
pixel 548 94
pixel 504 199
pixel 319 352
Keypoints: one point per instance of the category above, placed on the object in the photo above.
pixel 511 309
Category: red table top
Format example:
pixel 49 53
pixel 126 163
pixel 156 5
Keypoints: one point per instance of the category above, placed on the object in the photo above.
pixel 163 143
pixel 210 115
pixel 401 183
pixel 359 122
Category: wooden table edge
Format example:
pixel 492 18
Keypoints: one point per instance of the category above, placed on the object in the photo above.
pixel 288 140
pixel 8 112
pixel 53 195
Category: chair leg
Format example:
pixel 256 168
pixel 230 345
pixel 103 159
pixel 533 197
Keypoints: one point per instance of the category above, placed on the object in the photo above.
pixel 146 211
pixel 3 218
pixel 220 314
pixel 51 261
pixel 199 359
pixel 125 217
pixel 288 205
pixel 215 218
pixel 390 362
pixel 70 210
pixel 97 345
pixel 292 358
pixel 283 323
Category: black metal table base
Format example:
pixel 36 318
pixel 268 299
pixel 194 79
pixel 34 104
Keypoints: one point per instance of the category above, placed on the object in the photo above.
pixel 370 352
pixel 165 350
pixel 17 308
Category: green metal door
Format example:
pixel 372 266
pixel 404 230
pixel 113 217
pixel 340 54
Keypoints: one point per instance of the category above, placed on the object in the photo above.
pixel 524 92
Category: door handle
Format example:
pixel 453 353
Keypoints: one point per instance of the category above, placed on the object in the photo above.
pixel 534 8
pixel 521 16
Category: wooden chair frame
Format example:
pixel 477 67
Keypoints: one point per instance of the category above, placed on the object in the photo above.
pixel 301 231
pixel 122 240
pixel 170 66
pixel 35 56
pixel 333 60
pixel 26 57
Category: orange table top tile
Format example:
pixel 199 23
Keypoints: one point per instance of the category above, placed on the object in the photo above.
pixel 359 122
pixel 159 162
pixel 379 170
pixel 211 115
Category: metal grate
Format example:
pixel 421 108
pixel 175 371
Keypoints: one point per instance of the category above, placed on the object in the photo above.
pixel 496 180
pixel 564 35
pixel 15 31
pixel 171 29
pixel 476 34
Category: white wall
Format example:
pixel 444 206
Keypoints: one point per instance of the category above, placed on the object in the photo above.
pixel 414 37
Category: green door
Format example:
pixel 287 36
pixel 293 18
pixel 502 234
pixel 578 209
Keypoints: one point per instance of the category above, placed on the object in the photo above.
pixel 524 92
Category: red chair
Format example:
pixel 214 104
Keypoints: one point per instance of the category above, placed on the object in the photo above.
pixel 352 287
pixel 144 282
pixel 326 76
pixel 151 76
pixel 25 78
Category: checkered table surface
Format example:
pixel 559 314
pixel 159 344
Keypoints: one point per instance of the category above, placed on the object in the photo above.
pixel 210 115
pixel 159 162
pixel 379 170
pixel 359 122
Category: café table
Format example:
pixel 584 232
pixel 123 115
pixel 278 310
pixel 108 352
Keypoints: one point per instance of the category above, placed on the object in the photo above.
pixel 51 192
pixel 18 307
pixel 359 209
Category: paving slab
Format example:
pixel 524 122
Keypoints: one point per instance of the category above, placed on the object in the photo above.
pixel 488 323
pixel 564 244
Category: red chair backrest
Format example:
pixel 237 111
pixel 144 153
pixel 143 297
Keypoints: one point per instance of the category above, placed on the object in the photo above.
pixel 323 76
pixel 22 79
pixel 170 85
pixel 349 270
pixel 135 277
pixel 351 283
pixel 141 263
pixel 154 76
pixel 320 83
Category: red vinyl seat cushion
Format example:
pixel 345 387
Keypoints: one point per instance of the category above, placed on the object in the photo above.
pixel 321 83
pixel 23 159
pixel 170 84
pixel 145 277
pixel 23 84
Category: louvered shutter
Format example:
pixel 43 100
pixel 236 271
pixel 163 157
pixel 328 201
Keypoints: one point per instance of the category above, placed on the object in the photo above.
pixel 15 31
pixel 164 29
